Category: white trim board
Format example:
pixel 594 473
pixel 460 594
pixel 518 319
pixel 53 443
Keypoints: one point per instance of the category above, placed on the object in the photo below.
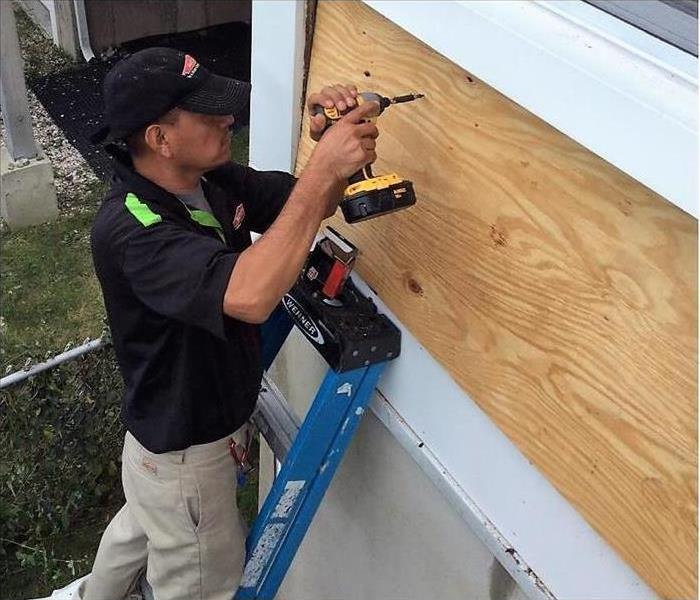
pixel 51 6
pixel 277 75
pixel 527 580
pixel 625 95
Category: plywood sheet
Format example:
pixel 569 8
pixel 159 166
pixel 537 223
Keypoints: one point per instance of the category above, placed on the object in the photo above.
pixel 559 293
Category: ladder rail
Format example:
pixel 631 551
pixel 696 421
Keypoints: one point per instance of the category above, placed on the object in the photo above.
pixel 318 487
pixel 305 475
pixel 310 445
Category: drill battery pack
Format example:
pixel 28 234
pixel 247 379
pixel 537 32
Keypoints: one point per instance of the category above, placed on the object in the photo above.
pixel 377 196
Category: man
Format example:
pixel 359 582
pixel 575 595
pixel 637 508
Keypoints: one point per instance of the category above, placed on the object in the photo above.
pixel 184 291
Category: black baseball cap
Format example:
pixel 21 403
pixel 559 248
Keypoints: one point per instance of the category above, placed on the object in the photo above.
pixel 142 87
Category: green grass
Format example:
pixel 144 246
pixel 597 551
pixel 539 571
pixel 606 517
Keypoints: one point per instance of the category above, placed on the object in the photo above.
pixel 58 561
pixel 50 295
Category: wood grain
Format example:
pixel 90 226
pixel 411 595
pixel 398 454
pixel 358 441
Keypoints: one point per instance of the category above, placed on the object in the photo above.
pixel 558 292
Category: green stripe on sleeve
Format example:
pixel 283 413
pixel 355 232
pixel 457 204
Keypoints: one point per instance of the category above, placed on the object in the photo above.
pixel 141 212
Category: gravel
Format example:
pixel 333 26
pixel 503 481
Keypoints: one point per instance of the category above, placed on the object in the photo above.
pixel 73 177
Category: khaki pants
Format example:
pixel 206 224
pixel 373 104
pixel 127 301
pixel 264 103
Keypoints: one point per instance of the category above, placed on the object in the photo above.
pixel 180 523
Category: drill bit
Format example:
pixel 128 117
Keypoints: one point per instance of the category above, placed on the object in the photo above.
pixel 406 98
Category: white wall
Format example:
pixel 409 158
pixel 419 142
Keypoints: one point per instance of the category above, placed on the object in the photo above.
pixel 383 531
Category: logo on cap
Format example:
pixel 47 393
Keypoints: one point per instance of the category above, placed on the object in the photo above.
pixel 190 67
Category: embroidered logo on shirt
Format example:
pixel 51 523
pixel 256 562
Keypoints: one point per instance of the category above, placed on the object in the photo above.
pixel 190 67
pixel 238 217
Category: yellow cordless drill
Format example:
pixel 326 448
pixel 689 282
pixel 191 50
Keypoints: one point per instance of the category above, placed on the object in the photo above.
pixel 367 195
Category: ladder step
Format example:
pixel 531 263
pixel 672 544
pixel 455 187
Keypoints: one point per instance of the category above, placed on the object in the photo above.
pixel 275 419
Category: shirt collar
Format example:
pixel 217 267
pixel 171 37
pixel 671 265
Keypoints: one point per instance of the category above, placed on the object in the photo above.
pixel 126 179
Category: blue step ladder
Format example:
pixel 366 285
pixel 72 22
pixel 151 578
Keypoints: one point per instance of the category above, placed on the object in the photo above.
pixel 357 342
pixel 310 460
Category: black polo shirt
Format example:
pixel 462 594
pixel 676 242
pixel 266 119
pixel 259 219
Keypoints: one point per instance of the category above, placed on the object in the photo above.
pixel 191 373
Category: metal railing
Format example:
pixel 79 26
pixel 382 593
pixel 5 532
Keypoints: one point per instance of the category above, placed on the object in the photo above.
pixel 73 353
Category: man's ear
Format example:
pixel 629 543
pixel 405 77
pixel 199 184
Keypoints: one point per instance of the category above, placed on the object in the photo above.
pixel 157 140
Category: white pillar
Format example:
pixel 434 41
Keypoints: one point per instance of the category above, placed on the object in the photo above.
pixel 277 75
pixel 27 193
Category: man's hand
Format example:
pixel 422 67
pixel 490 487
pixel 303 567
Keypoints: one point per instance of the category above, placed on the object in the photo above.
pixel 340 96
pixel 347 146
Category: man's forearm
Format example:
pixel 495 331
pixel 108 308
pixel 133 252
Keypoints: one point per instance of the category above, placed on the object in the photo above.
pixel 268 269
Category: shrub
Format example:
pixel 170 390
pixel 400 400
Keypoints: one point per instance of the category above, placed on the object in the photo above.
pixel 61 437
